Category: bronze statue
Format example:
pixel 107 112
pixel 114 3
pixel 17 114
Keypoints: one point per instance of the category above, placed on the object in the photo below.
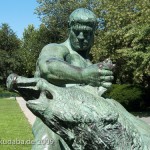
pixel 65 95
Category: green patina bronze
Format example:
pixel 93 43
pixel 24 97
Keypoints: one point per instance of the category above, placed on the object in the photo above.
pixel 65 95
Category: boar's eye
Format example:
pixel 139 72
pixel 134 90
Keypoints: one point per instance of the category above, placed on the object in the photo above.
pixel 48 95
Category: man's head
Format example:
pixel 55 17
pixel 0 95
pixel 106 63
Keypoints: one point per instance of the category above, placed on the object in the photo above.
pixel 82 23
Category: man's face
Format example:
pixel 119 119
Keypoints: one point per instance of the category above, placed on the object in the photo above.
pixel 81 38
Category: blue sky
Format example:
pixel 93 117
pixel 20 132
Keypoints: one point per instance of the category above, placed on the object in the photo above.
pixel 19 14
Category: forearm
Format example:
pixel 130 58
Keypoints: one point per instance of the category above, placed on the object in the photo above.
pixel 59 72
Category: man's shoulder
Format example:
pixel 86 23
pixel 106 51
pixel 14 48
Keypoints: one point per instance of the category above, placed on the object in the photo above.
pixel 55 47
pixel 54 50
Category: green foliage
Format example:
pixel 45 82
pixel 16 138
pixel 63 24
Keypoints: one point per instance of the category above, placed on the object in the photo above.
pixel 22 58
pixel 32 43
pixel 6 94
pixel 55 13
pixel 130 96
pixel 9 43
pixel 125 39
pixel 8 39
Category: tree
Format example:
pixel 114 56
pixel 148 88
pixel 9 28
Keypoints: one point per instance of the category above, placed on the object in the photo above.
pixel 8 39
pixel 9 43
pixel 32 43
pixel 125 39
pixel 54 14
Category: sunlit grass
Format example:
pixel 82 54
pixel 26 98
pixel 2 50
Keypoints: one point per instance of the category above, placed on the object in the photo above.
pixel 14 127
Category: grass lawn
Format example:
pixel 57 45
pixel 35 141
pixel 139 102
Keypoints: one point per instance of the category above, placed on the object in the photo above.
pixel 14 127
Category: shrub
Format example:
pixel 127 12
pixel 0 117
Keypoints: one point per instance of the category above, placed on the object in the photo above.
pixel 130 96
pixel 5 93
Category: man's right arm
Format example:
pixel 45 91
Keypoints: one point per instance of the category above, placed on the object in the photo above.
pixel 53 67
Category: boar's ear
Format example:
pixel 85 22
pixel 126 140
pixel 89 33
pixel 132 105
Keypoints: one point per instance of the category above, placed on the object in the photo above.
pixel 49 89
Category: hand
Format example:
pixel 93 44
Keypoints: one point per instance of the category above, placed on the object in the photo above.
pixel 106 65
pixel 99 74
pixel 95 76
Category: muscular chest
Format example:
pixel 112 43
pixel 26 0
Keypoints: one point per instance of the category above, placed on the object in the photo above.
pixel 76 60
